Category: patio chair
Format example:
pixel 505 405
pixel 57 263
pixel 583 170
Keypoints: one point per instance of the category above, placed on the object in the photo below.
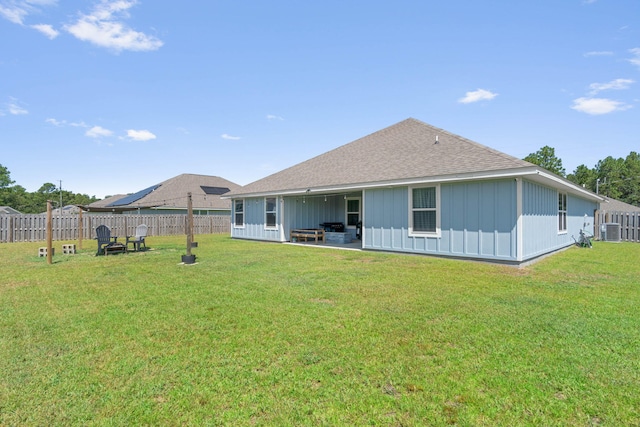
pixel 138 239
pixel 103 235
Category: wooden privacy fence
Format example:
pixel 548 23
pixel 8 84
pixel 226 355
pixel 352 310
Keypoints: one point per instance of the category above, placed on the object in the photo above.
pixel 33 228
pixel 629 223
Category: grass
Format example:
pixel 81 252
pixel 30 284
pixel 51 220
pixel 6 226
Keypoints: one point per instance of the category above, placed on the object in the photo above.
pixel 268 334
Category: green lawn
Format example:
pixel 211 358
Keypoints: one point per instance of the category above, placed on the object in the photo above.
pixel 269 334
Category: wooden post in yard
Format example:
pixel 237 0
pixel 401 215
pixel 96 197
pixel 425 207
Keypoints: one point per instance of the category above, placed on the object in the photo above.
pixel 189 224
pixel 49 234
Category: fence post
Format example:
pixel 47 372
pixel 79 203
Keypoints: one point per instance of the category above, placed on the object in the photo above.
pixel 49 234
pixel 80 230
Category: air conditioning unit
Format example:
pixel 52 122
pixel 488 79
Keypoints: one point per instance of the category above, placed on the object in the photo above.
pixel 610 232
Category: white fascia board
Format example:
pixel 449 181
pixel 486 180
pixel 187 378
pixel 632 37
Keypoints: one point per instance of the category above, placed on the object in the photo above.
pixel 570 187
pixel 297 192
pixel 471 176
pixel 533 173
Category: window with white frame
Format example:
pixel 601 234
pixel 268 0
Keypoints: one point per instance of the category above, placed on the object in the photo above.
pixel 353 212
pixel 270 212
pixel 238 209
pixel 562 212
pixel 424 218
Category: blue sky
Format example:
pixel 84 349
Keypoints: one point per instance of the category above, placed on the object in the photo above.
pixel 113 96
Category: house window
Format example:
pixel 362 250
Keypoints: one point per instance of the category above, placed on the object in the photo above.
pixel 238 209
pixel 424 205
pixel 562 212
pixel 353 212
pixel 270 212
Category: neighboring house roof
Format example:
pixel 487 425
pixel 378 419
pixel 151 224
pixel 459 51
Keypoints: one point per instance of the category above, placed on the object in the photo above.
pixel 172 194
pixel 7 210
pixel 67 209
pixel 408 152
pixel 104 202
pixel 613 205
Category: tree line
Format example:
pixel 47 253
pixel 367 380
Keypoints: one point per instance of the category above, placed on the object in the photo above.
pixel 615 178
pixel 20 199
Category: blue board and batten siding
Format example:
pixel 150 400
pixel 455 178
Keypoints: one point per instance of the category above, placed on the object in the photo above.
pixel 254 222
pixel 540 219
pixel 478 219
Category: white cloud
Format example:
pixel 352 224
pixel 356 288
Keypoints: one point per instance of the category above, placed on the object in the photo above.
pixel 55 122
pixel 599 53
pixel 47 30
pixel 478 95
pixel 61 123
pixel 14 108
pixel 98 132
pixel 140 135
pixel 17 110
pixel 104 28
pixel 13 14
pixel 229 137
pixel 598 106
pixel 17 10
pixel 274 117
pixel 636 52
pixel 617 84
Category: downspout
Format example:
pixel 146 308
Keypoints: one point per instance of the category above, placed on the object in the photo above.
pixel 519 224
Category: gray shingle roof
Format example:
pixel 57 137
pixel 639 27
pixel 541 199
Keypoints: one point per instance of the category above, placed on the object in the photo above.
pixel 406 150
pixel 104 202
pixel 172 194
pixel 8 210
pixel 613 205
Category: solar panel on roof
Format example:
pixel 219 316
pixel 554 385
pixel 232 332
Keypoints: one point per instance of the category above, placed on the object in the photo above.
pixel 215 191
pixel 131 198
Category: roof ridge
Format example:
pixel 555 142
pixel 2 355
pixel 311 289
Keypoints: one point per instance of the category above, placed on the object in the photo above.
pixel 409 149
pixel 476 143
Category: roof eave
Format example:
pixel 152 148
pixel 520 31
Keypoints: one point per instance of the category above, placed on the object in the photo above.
pixel 534 173
pixel 113 209
pixel 547 177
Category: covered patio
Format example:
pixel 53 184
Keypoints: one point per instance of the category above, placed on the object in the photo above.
pixel 323 219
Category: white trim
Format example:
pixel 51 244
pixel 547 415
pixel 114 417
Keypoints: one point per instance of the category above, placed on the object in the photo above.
pixel 362 225
pixel 275 212
pixel 519 221
pixel 569 186
pixel 281 216
pixel 346 211
pixel 233 212
pixel 438 210
pixel 565 211
pixel 533 173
